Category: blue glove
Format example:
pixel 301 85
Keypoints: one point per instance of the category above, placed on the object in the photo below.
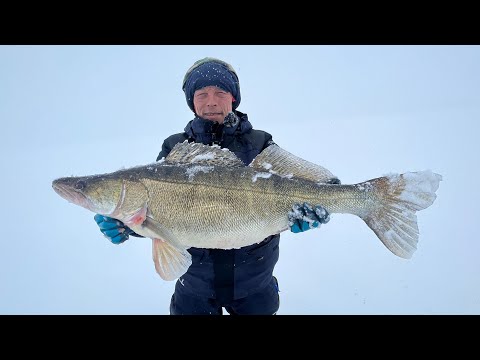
pixel 305 217
pixel 114 230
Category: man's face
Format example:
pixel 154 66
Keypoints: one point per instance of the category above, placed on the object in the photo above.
pixel 212 103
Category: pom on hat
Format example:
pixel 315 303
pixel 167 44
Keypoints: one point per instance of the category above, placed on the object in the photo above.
pixel 211 72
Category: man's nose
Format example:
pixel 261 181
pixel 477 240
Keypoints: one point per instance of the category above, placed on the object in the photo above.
pixel 212 103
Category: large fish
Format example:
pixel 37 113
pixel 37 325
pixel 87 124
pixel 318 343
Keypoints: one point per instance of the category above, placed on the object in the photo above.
pixel 204 196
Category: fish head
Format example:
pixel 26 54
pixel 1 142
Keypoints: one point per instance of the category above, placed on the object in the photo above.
pixel 100 194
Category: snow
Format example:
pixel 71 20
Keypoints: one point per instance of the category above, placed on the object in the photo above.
pixel 193 170
pixel 262 175
pixel 203 157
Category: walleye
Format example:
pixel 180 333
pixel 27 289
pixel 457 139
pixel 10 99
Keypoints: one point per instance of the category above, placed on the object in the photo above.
pixel 204 196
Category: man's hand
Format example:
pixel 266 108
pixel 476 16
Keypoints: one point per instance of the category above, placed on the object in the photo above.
pixel 305 217
pixel 114 230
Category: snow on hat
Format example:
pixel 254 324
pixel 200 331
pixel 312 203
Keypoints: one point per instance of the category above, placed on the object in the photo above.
pixel 211 72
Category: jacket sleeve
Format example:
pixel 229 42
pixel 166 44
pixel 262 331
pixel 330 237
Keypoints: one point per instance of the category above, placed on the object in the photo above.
pixel 165 150
pixel 268 141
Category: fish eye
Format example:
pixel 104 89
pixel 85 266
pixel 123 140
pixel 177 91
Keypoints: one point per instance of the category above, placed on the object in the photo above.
pixel 80 185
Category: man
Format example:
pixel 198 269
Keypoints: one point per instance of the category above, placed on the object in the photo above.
pixel 239 280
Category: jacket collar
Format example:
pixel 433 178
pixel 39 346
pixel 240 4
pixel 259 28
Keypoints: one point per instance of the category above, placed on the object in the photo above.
pixel 203 130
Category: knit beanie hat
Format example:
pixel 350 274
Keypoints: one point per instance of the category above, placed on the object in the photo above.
pixel 211 72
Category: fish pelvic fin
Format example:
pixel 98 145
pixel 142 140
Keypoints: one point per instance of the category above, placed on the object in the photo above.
pixel 278 161
pixel 170 261
pixel 393 219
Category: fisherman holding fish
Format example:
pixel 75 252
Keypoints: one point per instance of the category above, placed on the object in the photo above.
pixel 240 279
pixel 221 192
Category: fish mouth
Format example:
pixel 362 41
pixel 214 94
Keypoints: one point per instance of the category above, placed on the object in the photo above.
pixel 66 191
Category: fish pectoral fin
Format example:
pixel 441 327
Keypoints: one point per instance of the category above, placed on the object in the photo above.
pixel 170 257
pixel 170 261
pixel 159 231
pixel 136 218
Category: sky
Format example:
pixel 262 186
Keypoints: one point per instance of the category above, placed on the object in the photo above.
pixel 360 111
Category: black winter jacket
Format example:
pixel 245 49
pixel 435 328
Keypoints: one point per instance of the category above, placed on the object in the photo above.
pixel 237 273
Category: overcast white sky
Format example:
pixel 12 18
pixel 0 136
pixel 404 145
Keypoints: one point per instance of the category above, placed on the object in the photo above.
pixel 360 111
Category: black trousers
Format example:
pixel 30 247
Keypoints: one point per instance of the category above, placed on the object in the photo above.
pixel 264 302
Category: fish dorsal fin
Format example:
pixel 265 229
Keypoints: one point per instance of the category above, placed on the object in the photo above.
pixel 278 161
pixel 186 153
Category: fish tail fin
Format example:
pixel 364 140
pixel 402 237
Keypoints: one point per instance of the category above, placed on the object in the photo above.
pixel 393 218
